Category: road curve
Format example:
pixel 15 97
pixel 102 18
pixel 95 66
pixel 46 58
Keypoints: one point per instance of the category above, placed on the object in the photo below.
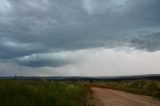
pixel 108 97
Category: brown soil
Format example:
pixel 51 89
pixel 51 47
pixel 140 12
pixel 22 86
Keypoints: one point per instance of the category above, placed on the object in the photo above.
pixel 108 97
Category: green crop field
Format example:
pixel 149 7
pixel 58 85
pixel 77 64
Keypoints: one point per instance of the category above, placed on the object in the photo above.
pixel 41 93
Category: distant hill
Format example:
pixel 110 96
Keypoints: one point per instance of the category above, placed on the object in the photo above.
pixel 84 78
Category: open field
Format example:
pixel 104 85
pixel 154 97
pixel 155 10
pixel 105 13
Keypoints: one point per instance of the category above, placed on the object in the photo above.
pixel 41 93
pixel 76 93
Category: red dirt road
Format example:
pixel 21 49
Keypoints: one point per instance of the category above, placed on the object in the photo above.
pixel 108 97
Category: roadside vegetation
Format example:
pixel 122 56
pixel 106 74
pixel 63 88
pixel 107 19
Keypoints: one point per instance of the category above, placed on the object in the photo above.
pixel 145 87
pixel 41 93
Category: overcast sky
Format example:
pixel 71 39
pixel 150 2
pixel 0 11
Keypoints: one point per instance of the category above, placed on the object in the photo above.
pixel 79 37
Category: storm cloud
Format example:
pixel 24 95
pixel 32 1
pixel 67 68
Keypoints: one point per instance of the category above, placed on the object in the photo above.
pixel 33 32
pixel 149 42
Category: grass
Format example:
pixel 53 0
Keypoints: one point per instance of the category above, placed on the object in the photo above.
pixel 145 87
pixel 41 93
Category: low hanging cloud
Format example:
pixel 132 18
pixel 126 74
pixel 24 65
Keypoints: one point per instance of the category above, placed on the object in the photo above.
pixel 96 62
pixel 53 59
pixel 45 59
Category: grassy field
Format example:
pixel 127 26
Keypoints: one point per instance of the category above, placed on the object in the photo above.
pixel 45 93
pixel 41 93
pixel 145 87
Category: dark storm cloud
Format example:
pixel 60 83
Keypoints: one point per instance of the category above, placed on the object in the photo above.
pixel 31 26
pixel 42 62
pixel 149 42
pixel 46 59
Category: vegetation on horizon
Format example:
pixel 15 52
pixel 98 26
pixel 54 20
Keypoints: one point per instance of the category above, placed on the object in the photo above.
pixel 41 93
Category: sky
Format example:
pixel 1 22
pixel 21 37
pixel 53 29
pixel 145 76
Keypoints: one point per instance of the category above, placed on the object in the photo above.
pixel 79 37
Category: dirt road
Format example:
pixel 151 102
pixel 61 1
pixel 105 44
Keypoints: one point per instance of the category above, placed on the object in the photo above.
pixel 108 97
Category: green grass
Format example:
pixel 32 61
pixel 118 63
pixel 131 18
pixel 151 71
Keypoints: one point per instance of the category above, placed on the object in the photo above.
pixel 41 93
pixel 145 87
